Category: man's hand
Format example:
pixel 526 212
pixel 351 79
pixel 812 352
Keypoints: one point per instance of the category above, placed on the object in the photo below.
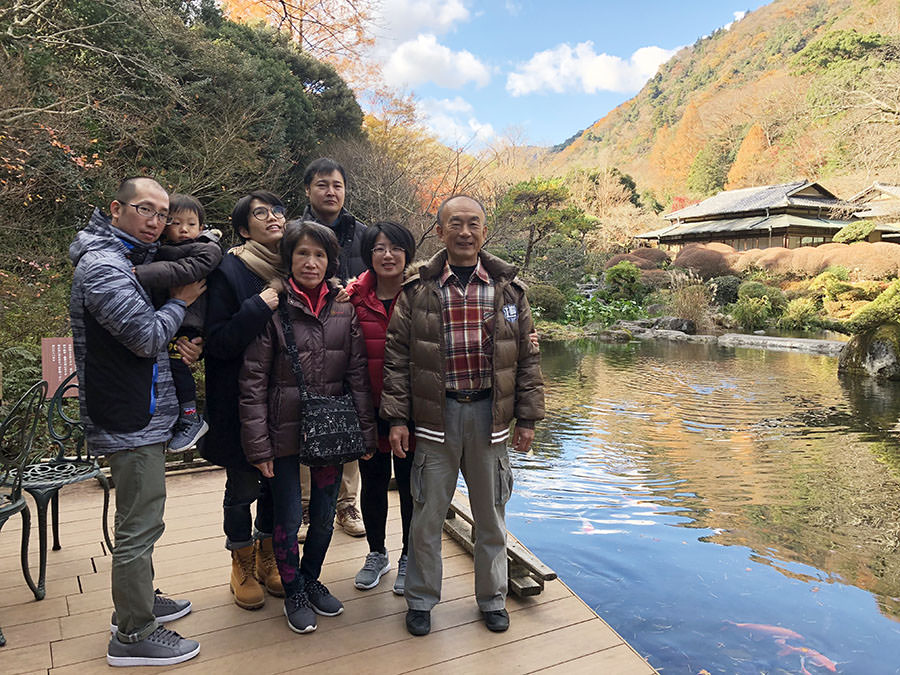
pixel 270 297
pixel 533 337
pixel 266 468
pixel 190 350
pixel 187 294
pixel 399 438
pixel 369 455
pixel 522 438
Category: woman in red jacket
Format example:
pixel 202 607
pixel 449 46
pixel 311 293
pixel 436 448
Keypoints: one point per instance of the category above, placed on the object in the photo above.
pixel 387 248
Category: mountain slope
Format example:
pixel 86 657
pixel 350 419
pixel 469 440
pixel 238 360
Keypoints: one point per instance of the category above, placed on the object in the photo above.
pixel 798 88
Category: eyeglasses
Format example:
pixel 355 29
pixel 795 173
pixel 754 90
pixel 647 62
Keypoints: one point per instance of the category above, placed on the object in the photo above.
pixel 145 211
pixel 395 250
pixel 261 213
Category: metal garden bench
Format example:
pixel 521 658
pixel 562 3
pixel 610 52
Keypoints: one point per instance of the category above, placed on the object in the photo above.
pixel 17 432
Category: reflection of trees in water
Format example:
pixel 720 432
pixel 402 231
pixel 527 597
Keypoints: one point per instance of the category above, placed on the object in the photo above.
pixel 768 449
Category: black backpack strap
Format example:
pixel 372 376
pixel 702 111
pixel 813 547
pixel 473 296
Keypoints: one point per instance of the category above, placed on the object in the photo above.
pixel 293 353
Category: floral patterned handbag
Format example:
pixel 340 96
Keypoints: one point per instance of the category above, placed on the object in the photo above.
pixel 329 425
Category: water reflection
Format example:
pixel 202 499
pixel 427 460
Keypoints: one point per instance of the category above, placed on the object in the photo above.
pixel 679 487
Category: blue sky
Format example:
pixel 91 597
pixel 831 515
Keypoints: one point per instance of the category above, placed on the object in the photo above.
pixel 544 69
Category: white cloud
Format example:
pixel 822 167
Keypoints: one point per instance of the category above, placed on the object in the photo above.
pixel 426 60
pixel 401 20
pixel 513 7
pixel 737 17
pixel 453 122
pixel 567 69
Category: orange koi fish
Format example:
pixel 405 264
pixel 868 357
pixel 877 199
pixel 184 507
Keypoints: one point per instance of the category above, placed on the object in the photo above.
pixel 772 631
pixel 807 654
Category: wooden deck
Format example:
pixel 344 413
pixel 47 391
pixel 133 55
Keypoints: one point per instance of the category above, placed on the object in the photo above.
pixel 67 632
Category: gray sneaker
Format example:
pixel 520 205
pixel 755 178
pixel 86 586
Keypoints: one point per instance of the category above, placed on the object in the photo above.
pixel 322 601
pixel 164 609
pixel 376 565
pixel 188 430
pixel 400 583
pixel 299 613
pixel 162 647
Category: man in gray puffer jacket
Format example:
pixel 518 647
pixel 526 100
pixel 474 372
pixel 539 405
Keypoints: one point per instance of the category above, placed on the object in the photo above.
pixel 128 406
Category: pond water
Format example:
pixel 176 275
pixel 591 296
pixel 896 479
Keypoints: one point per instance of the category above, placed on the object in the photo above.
pixel 683 489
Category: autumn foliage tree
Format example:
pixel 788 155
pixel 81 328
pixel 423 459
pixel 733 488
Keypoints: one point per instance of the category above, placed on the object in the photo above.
pixel 750 166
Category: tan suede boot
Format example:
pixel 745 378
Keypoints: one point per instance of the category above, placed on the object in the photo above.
pixel 248 594
pixel 266 569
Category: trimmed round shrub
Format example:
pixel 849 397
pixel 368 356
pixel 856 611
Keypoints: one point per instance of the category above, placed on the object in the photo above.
pixel 774 297
pixel 751 313
pixel 724 289
pixel 656 255
pixel 624 281
pixel 710 260
pixel 548 300
pixel 800 314
pixel 655 278
pixel 641 263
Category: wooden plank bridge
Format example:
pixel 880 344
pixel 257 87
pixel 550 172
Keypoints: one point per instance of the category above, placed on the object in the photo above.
pixel 551 629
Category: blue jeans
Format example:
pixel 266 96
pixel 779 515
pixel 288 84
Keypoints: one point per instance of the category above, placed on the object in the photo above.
pixel 242 488
pixel 286 496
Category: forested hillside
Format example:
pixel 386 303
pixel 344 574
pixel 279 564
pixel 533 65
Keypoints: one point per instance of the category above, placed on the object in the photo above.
pixel 798 88
pixel 92 91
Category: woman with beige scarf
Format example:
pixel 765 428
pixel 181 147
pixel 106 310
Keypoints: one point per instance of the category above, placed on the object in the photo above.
pixel 242 295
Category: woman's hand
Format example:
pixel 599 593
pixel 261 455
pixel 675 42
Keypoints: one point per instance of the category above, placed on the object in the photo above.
pixel 270 297
pixel 369 455
pixel 266 468
pixel 342 296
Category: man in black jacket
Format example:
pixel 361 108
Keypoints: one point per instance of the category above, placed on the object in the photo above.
pixel 326 182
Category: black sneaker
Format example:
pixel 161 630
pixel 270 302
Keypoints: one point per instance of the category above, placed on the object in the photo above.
pixel 299 613
pixel 162 647
pixel 496 620
pixel 322 601
pixel 164 609
pixel 418 621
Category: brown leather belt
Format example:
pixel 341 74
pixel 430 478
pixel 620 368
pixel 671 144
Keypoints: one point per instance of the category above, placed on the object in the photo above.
pixel 468 395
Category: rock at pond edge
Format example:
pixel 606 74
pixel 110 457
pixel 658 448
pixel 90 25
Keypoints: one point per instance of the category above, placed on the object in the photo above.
pixel 874 353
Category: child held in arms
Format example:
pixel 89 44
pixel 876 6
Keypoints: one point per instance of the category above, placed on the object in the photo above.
pixel 187 253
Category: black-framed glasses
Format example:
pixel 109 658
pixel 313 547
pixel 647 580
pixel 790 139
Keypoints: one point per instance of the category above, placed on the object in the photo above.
pixel 261 213
pixel 145 211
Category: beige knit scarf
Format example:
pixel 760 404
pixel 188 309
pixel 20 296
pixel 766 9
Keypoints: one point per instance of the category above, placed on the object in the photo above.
pixel 262 262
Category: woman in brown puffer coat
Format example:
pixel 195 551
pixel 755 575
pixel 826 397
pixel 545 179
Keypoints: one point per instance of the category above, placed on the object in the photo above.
pixel 333 360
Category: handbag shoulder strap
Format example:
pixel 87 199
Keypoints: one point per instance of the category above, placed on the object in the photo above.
pixel 291 343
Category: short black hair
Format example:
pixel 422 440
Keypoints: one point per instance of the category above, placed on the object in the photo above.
pixel 296 230
pixel 240 214
pixel 322 165
pixel 458 196
pixel 128 188
pixel 396 234
pixel 179 202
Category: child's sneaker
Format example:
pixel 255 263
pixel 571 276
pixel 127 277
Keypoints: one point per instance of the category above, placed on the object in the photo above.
pixel 189 429
pixel 400 583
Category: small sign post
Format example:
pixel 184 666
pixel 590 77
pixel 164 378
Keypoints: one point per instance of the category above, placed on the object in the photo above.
pixel 57 363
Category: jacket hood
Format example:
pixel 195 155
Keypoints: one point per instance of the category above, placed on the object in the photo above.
pixel 499 269
pixel 100 235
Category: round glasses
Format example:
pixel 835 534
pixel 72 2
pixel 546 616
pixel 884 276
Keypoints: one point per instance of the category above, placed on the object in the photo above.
pixel 262 213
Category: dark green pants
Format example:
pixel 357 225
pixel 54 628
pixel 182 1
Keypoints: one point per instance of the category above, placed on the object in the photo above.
pixel 140 479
